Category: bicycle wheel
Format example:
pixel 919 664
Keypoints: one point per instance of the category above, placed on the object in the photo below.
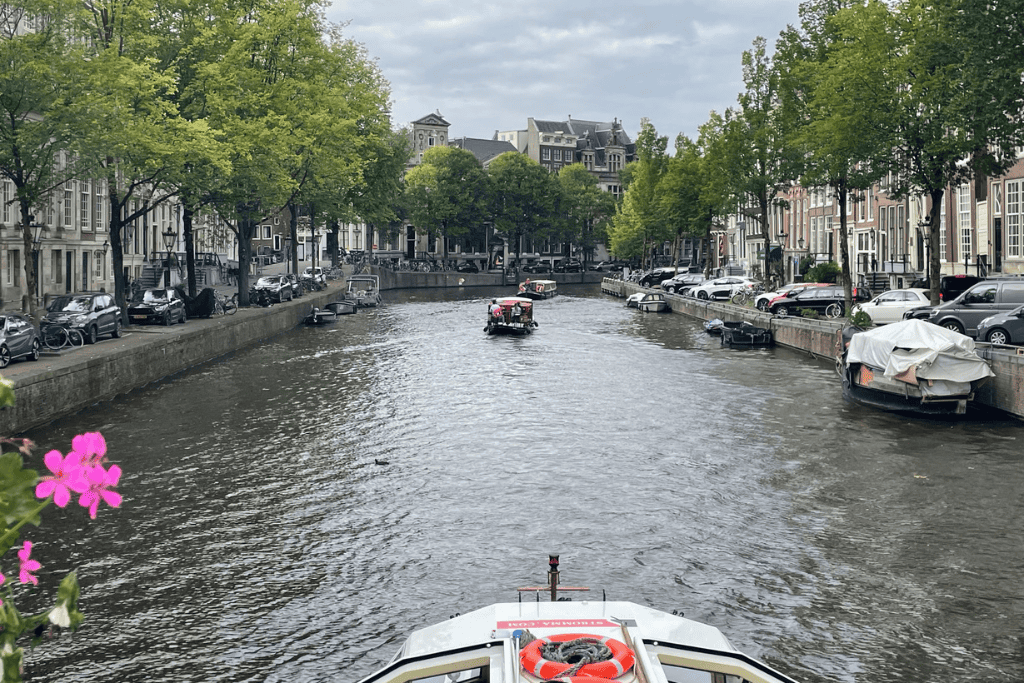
pixel 231 305
pixel 74 338
pixel 740 298
pixel 834 311
pixel 53 337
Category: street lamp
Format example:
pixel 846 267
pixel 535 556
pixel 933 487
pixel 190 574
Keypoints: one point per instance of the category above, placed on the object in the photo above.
pixel 169 236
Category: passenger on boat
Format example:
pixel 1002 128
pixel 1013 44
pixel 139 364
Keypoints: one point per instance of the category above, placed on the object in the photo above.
pixel 495 308
pixel 517 312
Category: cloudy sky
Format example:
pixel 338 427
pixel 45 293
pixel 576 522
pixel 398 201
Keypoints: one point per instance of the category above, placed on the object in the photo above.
pixel 490 65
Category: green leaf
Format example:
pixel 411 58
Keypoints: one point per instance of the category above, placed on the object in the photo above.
pixel 6 393
pixel 17 494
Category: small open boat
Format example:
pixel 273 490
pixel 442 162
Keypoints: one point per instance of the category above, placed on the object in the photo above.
pixel 510 315
pixel 744 335
pixel 342 307
pixel 538 289
pixel 363 290
pixel 585 641
pixel 320 316
pixel 911 366
pixel 653 302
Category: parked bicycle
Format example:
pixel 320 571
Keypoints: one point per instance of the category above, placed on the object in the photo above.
pixel 745 295
pixel 225 306
pixel 57 337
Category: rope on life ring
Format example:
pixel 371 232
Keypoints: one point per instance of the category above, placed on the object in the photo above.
pixel 576 654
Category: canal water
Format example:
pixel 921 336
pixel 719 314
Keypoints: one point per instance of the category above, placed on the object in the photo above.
pixel 292 511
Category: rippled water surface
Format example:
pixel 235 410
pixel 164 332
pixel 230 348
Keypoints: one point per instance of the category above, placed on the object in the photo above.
pixel 260 540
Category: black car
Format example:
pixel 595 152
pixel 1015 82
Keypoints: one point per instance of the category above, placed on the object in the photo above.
pixel 659 275
pixel 950 286
pixel 829 301
pixel 570 265
pixel 91 313
pixel 164 306
pixel 18 339
pixel 538 267
pixel 467 267
pixel 275 287
pixel 609 266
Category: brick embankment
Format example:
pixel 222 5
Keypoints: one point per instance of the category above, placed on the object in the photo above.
pixel 1004 392
pixel 62 383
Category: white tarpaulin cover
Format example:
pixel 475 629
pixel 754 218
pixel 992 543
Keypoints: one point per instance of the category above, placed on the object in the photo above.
pixel 918 349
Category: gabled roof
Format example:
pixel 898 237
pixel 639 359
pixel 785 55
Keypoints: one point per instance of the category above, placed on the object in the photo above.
pixel 434 119
pixel 484 150
pixel 594 135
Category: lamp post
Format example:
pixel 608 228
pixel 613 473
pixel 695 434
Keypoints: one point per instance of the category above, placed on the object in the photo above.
pixel 37 245
pixel 170 236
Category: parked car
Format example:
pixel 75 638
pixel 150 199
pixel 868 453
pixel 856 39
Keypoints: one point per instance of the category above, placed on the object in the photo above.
pixel 298 289
pixel 764 301
pixel 889 307
pixel 1003 328
pixel 722 287
pixel 316 273
pixel 163 306
pixel 537 267
pixel 608 266
pixel 569 265
pixel 19 338
pixel 92 313
pixel 818 299
pixel 682 282
pixel 950 286
pixel 659 275
pixel 964 313
pixel 467 267
pixel 276 287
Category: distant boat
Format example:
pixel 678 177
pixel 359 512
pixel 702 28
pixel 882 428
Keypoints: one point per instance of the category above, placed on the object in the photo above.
pixel 653 302
pixel 538 289
pixel 510 315
pixel 320 316
pixel 363 290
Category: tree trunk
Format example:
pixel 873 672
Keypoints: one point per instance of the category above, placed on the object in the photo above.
pixel 934 257
pixel 190 250
pixel 114 228
pixel 844 248
pixel 28 299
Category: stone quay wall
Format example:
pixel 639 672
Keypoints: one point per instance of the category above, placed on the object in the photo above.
pixel 820 338
pixel 67 382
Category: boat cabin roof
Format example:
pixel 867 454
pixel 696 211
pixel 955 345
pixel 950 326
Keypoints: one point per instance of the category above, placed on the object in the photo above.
pixel 512 300
pixel 541 282
pixel 483 646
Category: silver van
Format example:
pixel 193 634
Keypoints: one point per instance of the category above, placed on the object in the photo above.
pixel 988 297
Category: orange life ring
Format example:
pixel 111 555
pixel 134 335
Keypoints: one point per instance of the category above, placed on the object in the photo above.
pixel 533 661
pixel 580 679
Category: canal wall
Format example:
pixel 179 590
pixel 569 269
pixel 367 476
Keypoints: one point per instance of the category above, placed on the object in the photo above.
pixel 408 279
pixel 67 382
pixel 820 338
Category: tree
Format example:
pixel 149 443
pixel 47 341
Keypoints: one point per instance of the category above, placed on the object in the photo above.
pixel 761 159
pixel 448 192
pixel 950 119
pixel 837 73
pixel 639 222
pixel 586 208
pixel 39 76
pixel 522 199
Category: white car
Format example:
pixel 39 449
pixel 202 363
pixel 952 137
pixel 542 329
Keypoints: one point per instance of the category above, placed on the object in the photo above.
pixel 315 273
pixel 722 288
pixel 889 307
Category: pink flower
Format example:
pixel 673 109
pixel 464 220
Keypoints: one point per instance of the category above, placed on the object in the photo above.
pixel 91 448
pixel 28 565
pixel 65 470
pixel 96 485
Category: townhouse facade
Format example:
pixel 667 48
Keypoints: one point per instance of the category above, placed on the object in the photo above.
pixel 980 232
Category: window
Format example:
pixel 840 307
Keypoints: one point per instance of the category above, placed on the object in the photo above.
pixel 97 212
pixel 1013 293
pixel 1013 217
pixel 56 266
pixel 69 204
pixel 942 236
pixel 7 199
pixel 558 155
pixel 266 232
pixel 13 268
pixel 545 154
pixel 963 198
pixel 83 204
pixel 997 199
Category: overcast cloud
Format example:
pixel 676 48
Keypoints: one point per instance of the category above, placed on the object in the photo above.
pixel 490 65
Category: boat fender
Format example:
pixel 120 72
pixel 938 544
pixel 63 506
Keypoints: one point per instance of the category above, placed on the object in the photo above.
pixel 616 657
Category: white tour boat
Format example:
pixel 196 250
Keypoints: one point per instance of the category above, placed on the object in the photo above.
pixel 578 642
pixel 538 289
